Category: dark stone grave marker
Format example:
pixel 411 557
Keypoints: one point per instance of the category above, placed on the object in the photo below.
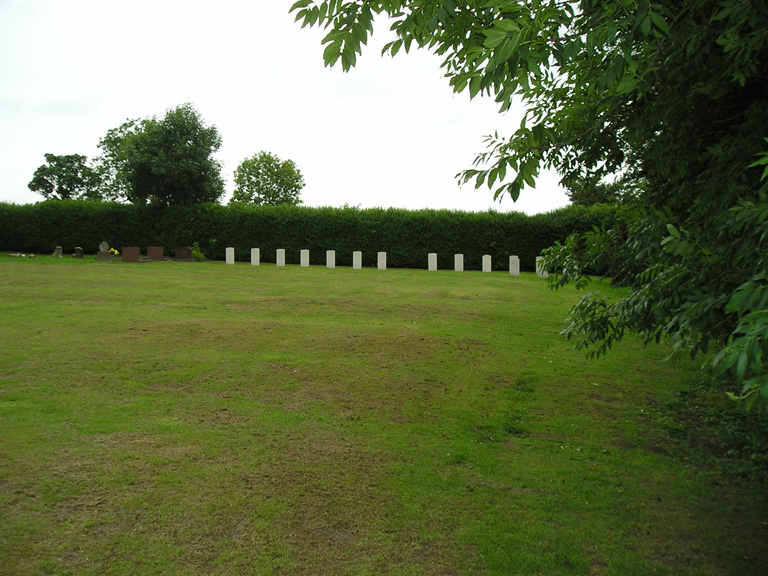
pixel 155 253
pixel 131 254
pixel 184 254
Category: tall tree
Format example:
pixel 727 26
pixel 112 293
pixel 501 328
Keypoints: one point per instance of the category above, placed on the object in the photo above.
pixel 671 93
pixel 264 179
pixel 588 192
pixel 67 177
pixel 163 161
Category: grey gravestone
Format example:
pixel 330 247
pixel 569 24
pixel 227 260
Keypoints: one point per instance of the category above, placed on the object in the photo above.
pixel 78 252
pixel 255 257
pixel 541 272
pixel 487 263
pixel 330 258
pixel 458 262
pixel 382 260
pixel 357 260
pixel 58 252
pixel 432 261
pixel 230 255
pixel 304 258
pixel 103 247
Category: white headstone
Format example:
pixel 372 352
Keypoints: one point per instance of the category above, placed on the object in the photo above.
pixel 382 260
pixel 281 257
pixel 330 258
pixel 540 271
pixel 357 260
pixel 255 256
pixel 230 255
pixel 514 265
pixel 487 263
pixel 432 261
pixel 305 258
pixel 458 262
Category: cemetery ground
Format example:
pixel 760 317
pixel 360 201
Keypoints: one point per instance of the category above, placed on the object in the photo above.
pixel 176 418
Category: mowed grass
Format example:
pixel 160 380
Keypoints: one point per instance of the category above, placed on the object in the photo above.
pixel 176 418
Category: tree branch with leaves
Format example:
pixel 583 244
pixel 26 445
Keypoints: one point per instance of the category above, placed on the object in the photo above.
pixel 672 96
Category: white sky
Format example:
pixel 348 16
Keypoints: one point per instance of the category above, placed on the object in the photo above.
pixel 390 133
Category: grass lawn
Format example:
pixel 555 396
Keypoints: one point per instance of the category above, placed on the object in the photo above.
pixel 175 418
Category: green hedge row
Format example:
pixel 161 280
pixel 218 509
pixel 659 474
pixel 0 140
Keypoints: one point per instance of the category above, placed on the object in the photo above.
pixel 406 236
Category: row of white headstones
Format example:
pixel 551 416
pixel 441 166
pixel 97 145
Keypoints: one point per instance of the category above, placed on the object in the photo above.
pixel 357 261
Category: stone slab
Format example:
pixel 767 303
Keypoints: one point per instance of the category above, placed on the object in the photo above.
pixel 155 253
pixel 131 254
pixel 541 272
pixel 183 253
pixel 514 266
pixel 458 262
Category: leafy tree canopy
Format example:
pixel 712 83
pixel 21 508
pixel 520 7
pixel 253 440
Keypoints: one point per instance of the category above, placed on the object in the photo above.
pixel 587 192
pixel 162 161
pixel 264 179
pixel 673 94
pixel 66 177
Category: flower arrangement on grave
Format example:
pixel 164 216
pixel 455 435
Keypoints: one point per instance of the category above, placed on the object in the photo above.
pixel 113 251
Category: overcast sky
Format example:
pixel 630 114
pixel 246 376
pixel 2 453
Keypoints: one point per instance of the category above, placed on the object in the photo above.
pixel 390 133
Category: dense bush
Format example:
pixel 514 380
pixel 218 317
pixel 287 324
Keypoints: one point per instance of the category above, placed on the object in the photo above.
pixel 406 236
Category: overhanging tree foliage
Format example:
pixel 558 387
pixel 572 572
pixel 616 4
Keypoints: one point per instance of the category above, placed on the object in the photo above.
pixel 671 94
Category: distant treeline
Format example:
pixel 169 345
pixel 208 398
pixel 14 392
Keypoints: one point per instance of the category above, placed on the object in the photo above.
pixel 407 236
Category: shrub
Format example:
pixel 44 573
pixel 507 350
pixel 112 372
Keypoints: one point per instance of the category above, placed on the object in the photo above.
pixel 407 236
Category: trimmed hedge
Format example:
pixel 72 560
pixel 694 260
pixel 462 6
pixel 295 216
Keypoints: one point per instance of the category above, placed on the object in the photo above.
pixel 406 236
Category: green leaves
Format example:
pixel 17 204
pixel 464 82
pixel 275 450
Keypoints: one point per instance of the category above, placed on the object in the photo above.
pixel 351 24
pixel 744 356
pixel 67 177
pixel 265 180
pixel 163 161
pixel 659 22
pixel 672 96
pixel 763 161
